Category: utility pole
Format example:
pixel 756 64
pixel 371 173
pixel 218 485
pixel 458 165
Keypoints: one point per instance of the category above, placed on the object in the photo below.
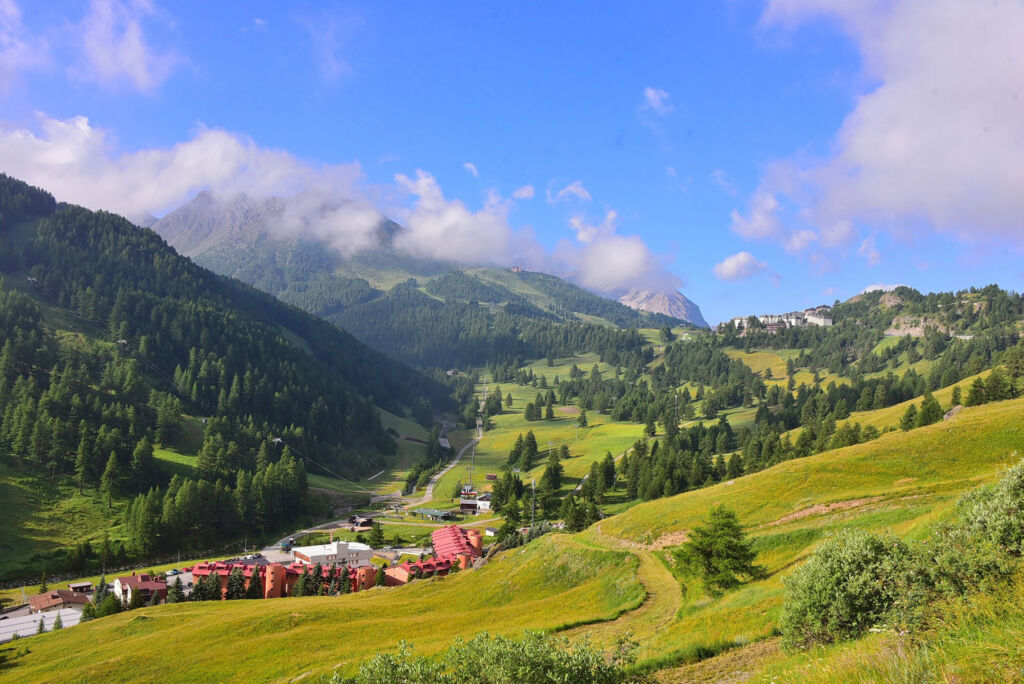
pixel 533 511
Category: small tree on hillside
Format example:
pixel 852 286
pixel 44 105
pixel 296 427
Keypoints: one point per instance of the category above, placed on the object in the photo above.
pixel 719 552
pixel 43 586
pixel 931 411
pixel 379 579
pixel 176 594
pixel 254 589
pixel 909 419
pixel 582 420
pixel 110 482
pixel 377 536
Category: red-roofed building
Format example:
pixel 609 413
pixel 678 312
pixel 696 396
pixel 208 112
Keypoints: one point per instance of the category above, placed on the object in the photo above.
pixel 406 572
pixel 453 542
pixel 57 600
pixel 145 584
pixel 277 580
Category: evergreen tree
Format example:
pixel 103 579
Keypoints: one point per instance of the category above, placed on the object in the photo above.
pixel 909 419
pixel 110 482
pixel 43 586
pixel 254 587
pixel 57 622
pixel 176 593
pixel 719 552
pixel 379 578
pixel 582 420
pixel 236 584
pixel 931 411
pixel 376 539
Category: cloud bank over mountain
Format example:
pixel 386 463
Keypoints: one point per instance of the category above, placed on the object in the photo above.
pixel 80 163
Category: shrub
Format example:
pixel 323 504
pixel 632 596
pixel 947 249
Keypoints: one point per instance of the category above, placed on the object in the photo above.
pixel 537 657
pixel 852 582
pixel 996 512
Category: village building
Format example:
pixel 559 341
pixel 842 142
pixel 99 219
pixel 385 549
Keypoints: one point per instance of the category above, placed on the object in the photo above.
pixel 143 584
pixel 473 505
pixel 336 552
pixel 58 599
pixel 406 572
pixel 455 542
pixel 81 587
pixel 277 580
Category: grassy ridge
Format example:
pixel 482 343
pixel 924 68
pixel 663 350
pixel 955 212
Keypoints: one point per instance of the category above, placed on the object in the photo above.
pixel 550 584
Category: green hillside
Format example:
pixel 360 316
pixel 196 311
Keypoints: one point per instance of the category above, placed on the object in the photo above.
pixel 424 312
pixel 121 361
pixel 905 482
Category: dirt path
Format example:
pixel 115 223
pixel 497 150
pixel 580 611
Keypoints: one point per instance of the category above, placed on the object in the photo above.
pixel 735 665
pixel 664 598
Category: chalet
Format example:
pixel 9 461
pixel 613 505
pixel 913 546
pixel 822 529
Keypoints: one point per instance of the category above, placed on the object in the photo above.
pixel 277 580
pixel 337 552
pixel 81 587
pixel 452 541
pixel 491 477
pixel 58 599
pixel 406 572
pixel 475 504
pixel 145 585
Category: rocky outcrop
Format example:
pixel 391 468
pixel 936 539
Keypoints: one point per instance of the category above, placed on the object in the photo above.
pixel 673 304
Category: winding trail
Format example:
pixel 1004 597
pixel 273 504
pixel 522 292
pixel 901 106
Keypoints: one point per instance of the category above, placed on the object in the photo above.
pixel 658 610
pixel 428 494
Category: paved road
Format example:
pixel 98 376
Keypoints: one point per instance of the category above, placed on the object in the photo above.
pixel 429 493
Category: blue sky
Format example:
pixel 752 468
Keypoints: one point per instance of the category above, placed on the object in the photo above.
pixel 761 156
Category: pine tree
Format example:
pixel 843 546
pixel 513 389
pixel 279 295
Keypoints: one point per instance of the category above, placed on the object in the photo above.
pixel 582 420
pixel 909 419
pixel 110 482
pixel 378 580
pixel 236 584
pixel 376 539
pixel 176 593
pixel 41 627
pixel 43 586
pixel 719 552
pixel 931 411
pixel 254 587
pixel 58 623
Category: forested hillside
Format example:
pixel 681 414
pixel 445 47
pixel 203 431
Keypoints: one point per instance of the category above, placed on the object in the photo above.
pixel 108 339
pixel 427 313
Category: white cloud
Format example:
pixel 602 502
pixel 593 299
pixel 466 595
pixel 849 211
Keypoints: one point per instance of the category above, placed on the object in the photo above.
pixel 800 240
pixel 525 192
pixel 869 251
pixel 605 261
pixel 115 49
pixel 721 179
pixel 19 50
pixel 329 33
pixel 879 286
pixel 656 100
pixel 471 167
pixel 670 171
pixel 762 221
pixel 78 163
pixel 447 229
pixel 739 266
pixel 937 142
pixel 572 190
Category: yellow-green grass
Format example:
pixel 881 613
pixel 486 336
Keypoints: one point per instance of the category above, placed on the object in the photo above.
pixel 775 360
pixel 901 482
pixel 889 417
pixel 43 514
pixel 585 444
pixel 980 639
pixel 737 416
pixel 550 584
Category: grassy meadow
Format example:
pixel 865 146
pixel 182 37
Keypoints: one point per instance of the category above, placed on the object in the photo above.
pixel 550 584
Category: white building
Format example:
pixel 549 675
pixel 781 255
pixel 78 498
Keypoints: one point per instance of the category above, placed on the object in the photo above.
pixel 338 552
pixel 818 318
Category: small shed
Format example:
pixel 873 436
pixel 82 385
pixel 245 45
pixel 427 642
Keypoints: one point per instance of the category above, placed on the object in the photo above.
pixel 491 477
pixel 491 531
pixel 433 514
